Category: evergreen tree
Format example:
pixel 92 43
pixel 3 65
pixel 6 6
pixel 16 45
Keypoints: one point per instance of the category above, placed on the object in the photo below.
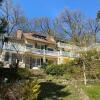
pixel 98 14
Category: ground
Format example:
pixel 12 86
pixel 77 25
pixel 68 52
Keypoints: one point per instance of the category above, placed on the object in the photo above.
pixel 61 89
pixel 93 91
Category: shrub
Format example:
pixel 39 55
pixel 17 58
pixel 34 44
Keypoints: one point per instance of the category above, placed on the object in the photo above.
pixel 45 65
pixel 26 90
pixel 30 90
pixel 23 72
pixel 55 70
pixel 1 64
pixel 13 74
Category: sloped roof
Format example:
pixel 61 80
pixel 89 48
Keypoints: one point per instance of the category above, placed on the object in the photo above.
pixel 36 37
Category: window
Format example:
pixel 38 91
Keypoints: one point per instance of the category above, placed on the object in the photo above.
pixel 38 61
pixel 37 46
pixel 50 49
pixel 14 57
pixel 43 46
pixel 40 46
pixel 7 55
pixel 29 45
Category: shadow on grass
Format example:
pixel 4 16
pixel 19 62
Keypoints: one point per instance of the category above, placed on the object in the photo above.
pixel 52 91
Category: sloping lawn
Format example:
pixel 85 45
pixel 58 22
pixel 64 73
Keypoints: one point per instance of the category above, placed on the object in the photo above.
pixel 93 91
pixel 56 89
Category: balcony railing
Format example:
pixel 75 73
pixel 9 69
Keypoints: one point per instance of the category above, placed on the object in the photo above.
pixel 68 46
pixel 14 47
pixel 51 53
pixel 42 52
pixel 34 50
pixel 38 51
pixel 69 54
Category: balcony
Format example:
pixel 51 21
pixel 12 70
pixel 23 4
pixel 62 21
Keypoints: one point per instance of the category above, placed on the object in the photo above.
pixel 69 54
pixel 68 46
pixel 64 53
pixel 42 52
pixel 14 47
pixel 51 53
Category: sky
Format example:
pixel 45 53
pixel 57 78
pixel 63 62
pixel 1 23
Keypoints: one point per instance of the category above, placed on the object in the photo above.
pixel 52 8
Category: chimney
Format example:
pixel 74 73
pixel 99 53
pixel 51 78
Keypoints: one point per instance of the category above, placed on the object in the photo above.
pixel 19 34
pixel 50 38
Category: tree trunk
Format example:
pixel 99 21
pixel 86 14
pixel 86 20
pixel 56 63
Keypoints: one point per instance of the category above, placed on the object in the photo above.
pixel 84 74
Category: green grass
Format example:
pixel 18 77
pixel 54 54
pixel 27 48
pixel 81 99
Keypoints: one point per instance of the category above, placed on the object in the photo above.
pixel 93 91
pixel 54 89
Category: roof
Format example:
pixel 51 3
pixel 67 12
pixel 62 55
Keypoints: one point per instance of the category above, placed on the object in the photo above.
pixel 36 37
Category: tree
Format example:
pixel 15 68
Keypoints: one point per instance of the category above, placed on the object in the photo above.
pixel 44 25
pixel 72 24
pixel 1 2
pixel 93 27
pixel 13 15
pixel 98 14
pixel 3 26
pixel 90 61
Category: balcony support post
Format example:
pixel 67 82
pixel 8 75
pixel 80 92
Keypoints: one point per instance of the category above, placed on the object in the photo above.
pixel 44 58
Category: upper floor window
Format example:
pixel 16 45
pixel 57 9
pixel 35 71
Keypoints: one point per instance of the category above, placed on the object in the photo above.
pixel 40 46
pixel 29 45
pixel 50 49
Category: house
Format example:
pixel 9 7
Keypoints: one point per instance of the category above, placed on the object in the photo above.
pixel 34 49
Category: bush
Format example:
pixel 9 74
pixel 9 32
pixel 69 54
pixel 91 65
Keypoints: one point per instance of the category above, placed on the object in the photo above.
pixel 55 70
pixel 13 74
pixel 45 65
pixel 23 72
pixel 1 64
pixel 26 90
pixel 30 90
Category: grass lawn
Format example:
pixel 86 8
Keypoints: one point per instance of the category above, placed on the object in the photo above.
pixel 93 91
pixel 56 90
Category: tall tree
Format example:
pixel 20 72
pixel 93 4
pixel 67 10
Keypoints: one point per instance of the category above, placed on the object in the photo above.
pixel 72 24
pixel 3 26
pixel 93 27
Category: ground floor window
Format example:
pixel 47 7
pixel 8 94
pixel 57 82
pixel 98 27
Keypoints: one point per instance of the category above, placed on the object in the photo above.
pixel 7 55
pixel 14 57
pixel 33 62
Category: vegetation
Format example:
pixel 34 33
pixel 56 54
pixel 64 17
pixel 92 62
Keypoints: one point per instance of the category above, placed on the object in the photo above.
pixel 98 14
pixel 12 75
pixel 93 91
pixel 57 70
pixel 30 90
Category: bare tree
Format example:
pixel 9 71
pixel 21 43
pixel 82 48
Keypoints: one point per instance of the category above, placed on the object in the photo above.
pixel 93 26
pixel 72 25
pixel 44 25
pixel 13 14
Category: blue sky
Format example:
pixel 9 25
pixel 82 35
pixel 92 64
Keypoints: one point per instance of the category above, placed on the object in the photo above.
pixel 52 8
